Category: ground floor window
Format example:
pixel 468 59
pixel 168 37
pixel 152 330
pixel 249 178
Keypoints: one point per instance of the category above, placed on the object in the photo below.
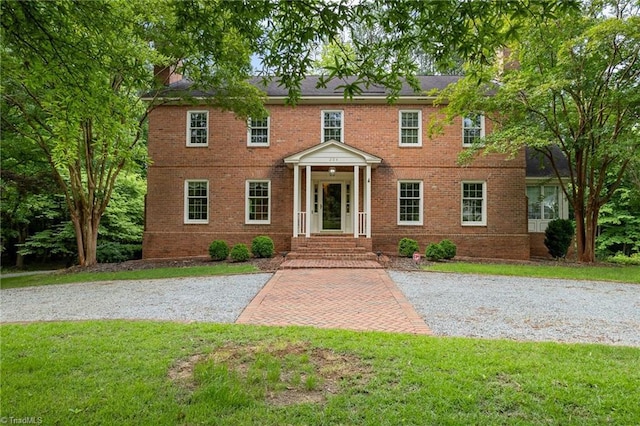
pixel 543 201
pixel 474 203
pixel 410 204
pixel 196 201
pixel 258 205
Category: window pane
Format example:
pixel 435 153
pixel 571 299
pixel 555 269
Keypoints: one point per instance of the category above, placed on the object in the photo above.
pixel 550 202
pixel 534 199
pixel 472 202
pixel 258 201
pixel 259 130
pixel 471 129
pixel 332 126
pixel 197 201
pixel 198 128
pixel 409 202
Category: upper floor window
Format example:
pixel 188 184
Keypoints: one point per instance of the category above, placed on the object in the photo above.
pixel 410 203
pixel 472 129
pixel 258 199
pixel 197 128
pixel 543 202
pixel 332 126
pixel 196 201
pixel 258 131
pixel 474 203
pixel 410 128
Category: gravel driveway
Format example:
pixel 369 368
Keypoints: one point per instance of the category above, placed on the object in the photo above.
pixel 524 308
pixel 452 305
pixel 211 299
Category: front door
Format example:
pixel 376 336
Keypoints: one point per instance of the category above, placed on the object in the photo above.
pixel 331 206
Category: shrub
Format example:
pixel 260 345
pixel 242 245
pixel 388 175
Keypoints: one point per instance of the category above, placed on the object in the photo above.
pixel 558 237
pixel 434 252
pixel 262 246
pixel 622 259
pixel 240 253
pixel 449 249
pixel 407 246
pixel 112 252
pixel 219 250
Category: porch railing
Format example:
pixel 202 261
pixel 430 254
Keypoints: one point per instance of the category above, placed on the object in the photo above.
pixel 362 223
pixel 302 223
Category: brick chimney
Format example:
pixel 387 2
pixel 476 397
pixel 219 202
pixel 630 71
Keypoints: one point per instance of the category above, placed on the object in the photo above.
pixel 166 75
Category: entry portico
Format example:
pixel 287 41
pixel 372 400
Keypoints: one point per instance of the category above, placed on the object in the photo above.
pixel 330 195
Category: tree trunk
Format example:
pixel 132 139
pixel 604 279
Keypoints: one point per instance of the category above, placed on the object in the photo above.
pixel 586 234
pixel 22 238
pixel 86 229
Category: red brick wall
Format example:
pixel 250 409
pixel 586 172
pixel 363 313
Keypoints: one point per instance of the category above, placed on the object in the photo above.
pixel 227 162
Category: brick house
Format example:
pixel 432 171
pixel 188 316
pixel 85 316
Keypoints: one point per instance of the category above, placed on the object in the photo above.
pixel 359 170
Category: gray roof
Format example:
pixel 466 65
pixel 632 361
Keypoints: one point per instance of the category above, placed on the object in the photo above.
pixel 309 87
pixel 539 166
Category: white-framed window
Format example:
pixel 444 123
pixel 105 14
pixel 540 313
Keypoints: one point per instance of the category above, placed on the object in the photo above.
pixel 258 206
pixel 196 201
pixel 258 131
pixel 474 203
pixel 332 126
pixel 410 124
pixel 543 202
pixel 410 202
pixel 472 129
pixel 197 128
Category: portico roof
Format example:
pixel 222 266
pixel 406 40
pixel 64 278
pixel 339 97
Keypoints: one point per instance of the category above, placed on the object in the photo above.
pixel 332 153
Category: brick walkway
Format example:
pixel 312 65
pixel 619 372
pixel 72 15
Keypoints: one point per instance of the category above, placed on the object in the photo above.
pixel 354 299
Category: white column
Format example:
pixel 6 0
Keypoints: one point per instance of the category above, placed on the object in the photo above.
pixel 355 208
pixel 296 198
pixel 308 208
pixel 367 194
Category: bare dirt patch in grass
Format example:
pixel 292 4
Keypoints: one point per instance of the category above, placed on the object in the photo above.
pixel 283 374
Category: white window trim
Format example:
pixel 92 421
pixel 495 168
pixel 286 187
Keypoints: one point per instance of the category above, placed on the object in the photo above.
pixel 482 222
pixel 482 133
pixel 247 220
pixel 322 128
pixel 419 144
pixel 249 143
pixel 189 128
pixel 405 222
pixel 186 203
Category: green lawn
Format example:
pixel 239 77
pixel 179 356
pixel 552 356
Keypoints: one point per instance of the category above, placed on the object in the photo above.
pixel 118 372
pixel 66 278
pixel 627 274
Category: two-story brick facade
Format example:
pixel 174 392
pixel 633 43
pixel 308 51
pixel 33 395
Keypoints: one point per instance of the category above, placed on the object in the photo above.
pixel 329 166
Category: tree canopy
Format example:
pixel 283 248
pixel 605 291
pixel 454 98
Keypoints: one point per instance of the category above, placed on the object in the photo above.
pixel 571 82
pixel 73 70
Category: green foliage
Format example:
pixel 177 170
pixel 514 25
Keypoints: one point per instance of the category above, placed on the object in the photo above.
pixel 449 249
pixel 240 253
pixel 558 236
pixel 434 252
pixel 622 259
pixel 219 250
pixel 114 252
pixel 58 242
pixel 619 222
pixel 445 249
pixel 381 376
pixel 628 274
pixel 407 246
pixel 262 246
pixel 575 87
